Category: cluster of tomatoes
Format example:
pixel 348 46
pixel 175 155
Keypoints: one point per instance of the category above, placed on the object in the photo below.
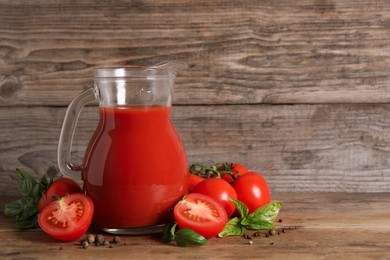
pixel 207 207
pixel 66 213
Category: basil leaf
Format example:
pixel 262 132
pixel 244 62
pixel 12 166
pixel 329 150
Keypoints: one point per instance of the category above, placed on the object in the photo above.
pixel 260 225
pixel 26 183
pixel 241 207
pixel 232 228
pixel 31 222
pixel 266 213
pixel 187 237
pixel 14 209
pixel 25 210
pixel 169 232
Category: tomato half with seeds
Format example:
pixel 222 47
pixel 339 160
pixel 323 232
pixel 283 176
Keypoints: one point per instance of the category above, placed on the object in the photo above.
pixel 68 218
pixel 200 213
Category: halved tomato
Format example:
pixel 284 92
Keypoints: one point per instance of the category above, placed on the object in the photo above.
pixel 68 218
pixel 200 213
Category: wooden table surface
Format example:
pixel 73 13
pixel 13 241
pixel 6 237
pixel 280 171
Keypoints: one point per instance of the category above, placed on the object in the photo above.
pixel 331 226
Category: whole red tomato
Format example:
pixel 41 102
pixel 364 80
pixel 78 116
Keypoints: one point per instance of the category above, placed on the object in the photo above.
pixel 252 190
pixel 60 187
pixel 219 190
pixel 194 180
pixel 68 218
pixel 236 169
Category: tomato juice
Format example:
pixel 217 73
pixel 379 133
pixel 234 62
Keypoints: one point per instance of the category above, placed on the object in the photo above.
pixel 135 168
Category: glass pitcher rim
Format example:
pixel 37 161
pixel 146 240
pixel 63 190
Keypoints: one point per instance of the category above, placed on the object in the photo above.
pixel 161 70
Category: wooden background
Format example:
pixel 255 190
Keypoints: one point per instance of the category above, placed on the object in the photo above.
pixel 297 90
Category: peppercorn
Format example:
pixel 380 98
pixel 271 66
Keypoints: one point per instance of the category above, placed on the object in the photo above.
pixel 257 234
pixel 99 239
pixel 106 242
pixel 250 242
pixel 271 232
pixel 247 236
pixel 116 239
pixel 85 244
pixel 90 238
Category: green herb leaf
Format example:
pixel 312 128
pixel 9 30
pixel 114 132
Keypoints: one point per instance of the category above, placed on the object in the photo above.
pixel 241 207
pixel 266 213
pixel 24 211
pixel 26 183
pixel 260 225
pixel 233 228
pixel 187 237
pixel 169 232
pixel 31 222
pixel 261 218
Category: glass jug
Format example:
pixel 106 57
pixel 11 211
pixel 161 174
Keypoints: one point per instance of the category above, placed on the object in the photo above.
pixel 135 167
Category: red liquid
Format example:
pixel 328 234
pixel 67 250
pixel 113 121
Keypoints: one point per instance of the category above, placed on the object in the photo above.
pixel 135 167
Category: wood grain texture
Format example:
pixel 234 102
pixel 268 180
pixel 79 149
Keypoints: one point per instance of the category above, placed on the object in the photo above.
pixel 238 53
pixel 298 148
pixel 332 226
pixel 298 90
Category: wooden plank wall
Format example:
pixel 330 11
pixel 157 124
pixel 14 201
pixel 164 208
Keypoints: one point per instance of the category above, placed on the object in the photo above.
pixel 297 90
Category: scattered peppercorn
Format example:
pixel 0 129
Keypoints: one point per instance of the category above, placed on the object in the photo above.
pixel 99 239
pixel 85 244
pixel 280 220
pixel 61 248
pixel 250 242
pixel 271 232
pixel 106 242
pixel 116 239
pixel 247 236
pixel 90 238
pixel 257 234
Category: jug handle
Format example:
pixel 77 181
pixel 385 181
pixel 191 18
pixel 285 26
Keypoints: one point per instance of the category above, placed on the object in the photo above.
pixel 67 133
